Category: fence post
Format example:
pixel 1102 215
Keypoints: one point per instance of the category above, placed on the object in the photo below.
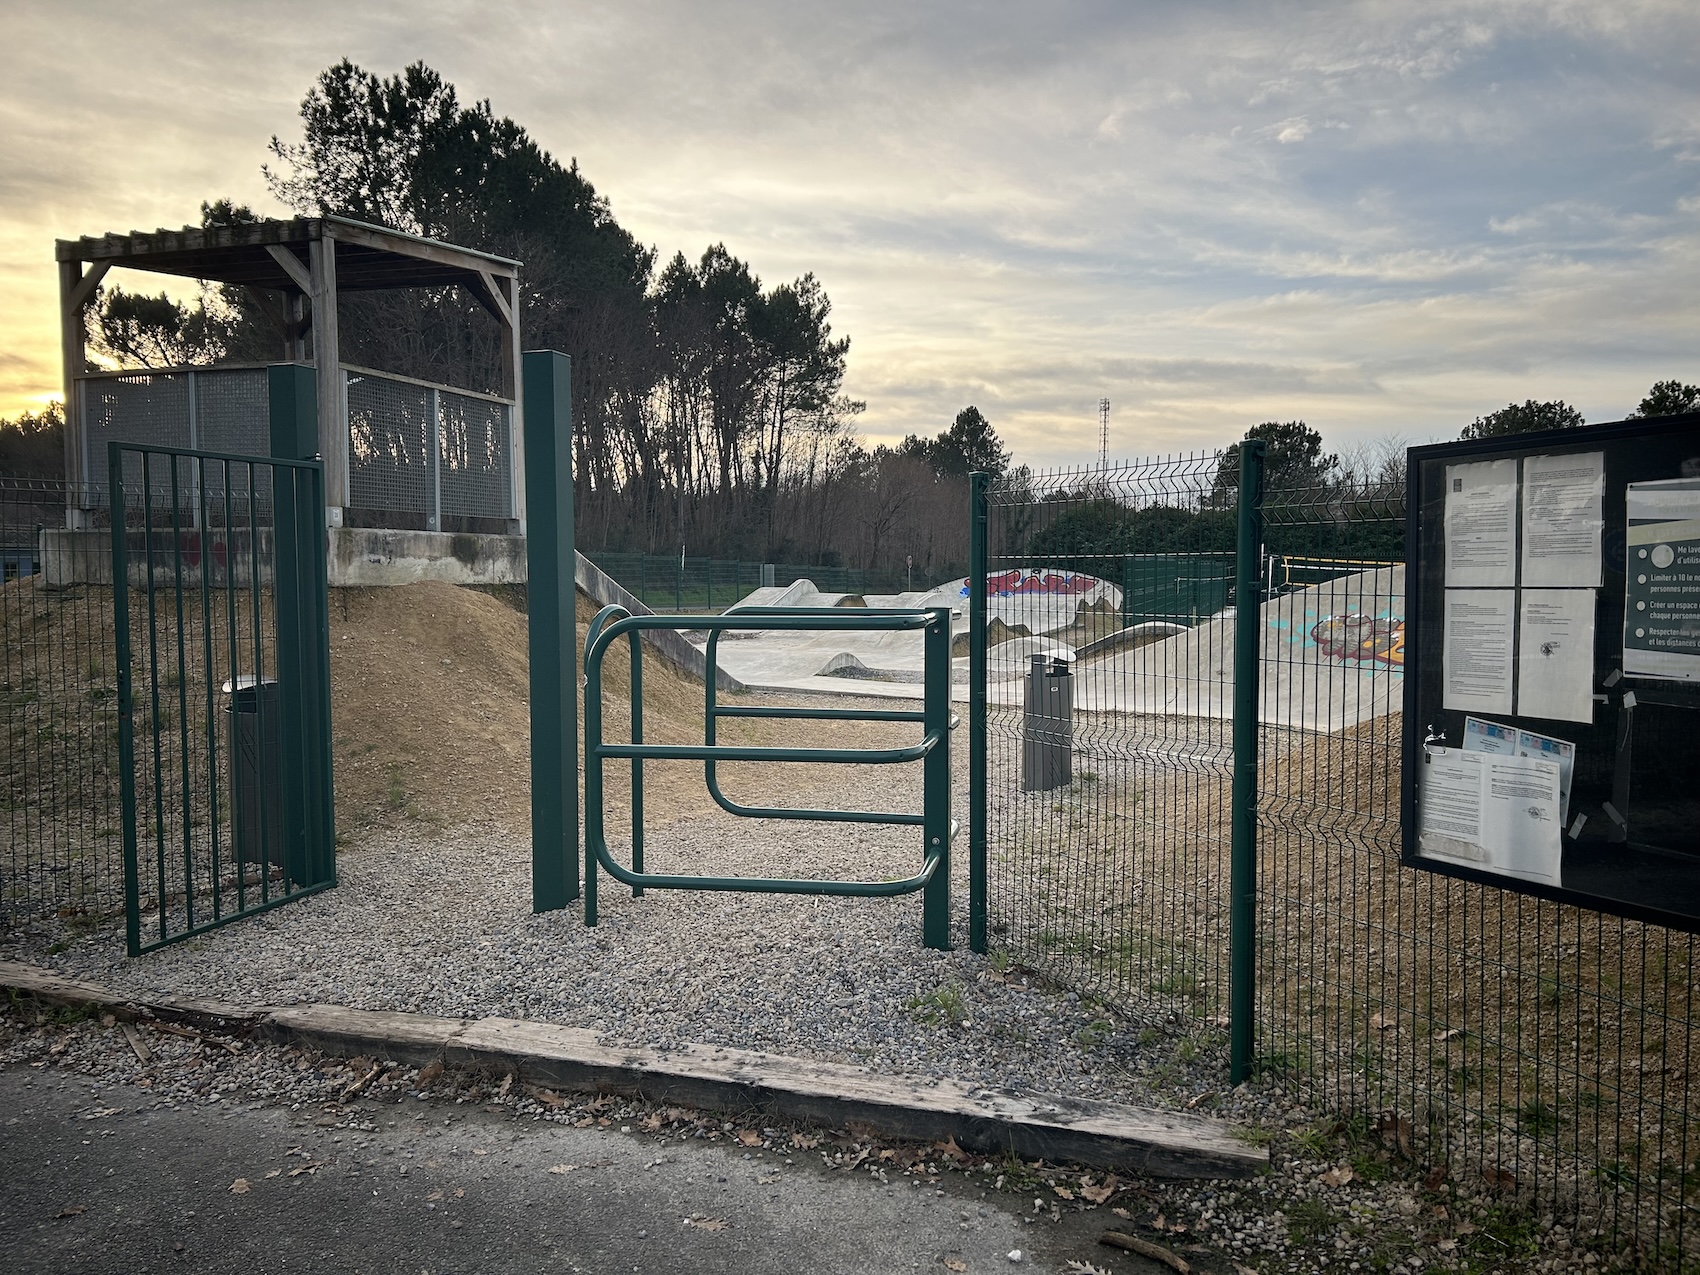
pixel 935 895
pixel 977 533
pixel 303 629
pixel 1248 632
pixel 551 616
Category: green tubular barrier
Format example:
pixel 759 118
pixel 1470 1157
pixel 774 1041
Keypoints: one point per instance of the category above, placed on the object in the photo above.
pixel 933 752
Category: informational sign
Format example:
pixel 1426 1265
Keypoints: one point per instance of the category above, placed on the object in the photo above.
pixel 1661 622
pixel 1552 665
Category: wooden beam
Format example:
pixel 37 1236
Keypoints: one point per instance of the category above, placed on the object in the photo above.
pixel 490 296
pixel 84 290
pixel 424 249
pixel 333 399
pixel 298 273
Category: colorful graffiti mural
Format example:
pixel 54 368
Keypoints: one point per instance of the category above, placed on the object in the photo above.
pixel 1009 584
pixel 1361 637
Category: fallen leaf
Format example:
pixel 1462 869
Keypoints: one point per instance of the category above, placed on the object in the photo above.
pixel 431 1071
pixel 955 1264
pixel 803 1142
pixel 651 1123
pixel 1396 1129
pixel 1085 1268
pixel 563 1168
pixel 1434 1177
pixel 949 1147
pixel 1240 1268
pixel 435 1195
pixel 1500 1179
pixel 460 1193
pixel 1465 1228
pixel 1380 1022
pixel 706 1223
pixel 1122 1213
pixel 239 1187
pixel 1450 1033
pixel 480 1151
pixel 1063 1192
pixel 1446 1246
pixel 72 1210
pixel 548 1097
pixel 272 1173
pixel 1098 1194
pixel 749 1137
pixel 100 1113
pixel 1337 1177
pixel 1207 1096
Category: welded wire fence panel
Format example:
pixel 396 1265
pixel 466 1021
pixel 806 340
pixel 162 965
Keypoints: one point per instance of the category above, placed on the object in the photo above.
pixel 60 848
pixel 475 460
pixel 1540 1052
pixel 389 445
pixel 1113 874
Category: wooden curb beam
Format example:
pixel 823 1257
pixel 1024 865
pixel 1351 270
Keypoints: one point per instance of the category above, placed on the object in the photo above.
pixel 989 1121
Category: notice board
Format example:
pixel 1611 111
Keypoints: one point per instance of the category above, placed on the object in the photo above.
pixel 1552 665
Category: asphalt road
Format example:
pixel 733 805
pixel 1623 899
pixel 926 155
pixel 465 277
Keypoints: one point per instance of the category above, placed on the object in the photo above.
pixel 91 1183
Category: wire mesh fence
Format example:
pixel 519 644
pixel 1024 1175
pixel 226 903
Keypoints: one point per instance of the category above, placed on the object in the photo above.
pixel 676 582
pixel 1537 1051
pixel 60 846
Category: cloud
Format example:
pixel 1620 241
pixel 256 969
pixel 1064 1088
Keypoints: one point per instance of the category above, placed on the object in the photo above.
pixel 1388 217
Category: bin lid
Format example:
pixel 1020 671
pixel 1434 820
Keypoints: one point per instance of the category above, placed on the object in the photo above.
pixel 246 681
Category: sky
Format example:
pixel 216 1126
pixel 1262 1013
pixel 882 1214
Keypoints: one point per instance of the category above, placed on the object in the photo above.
pixel 1384 219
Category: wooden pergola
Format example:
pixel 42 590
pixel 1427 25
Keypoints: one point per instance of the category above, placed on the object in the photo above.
pixel 295 270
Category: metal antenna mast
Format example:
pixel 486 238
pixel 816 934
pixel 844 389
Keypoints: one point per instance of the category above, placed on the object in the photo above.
pixel 1103 433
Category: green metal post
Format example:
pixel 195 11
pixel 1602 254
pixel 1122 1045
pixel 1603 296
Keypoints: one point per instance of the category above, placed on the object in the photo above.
pixel 978 530
pixel 126 695
pixel 1248 632
pixel 637 762
pixel 935 782
pixel 551 616
pixel 303 629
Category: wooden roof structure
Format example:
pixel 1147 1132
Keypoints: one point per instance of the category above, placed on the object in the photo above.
pixel 309 261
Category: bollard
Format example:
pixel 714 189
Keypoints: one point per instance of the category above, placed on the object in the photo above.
pixel 1047 746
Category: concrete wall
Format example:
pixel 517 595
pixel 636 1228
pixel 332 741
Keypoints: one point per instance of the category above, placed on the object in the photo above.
pixel 370 556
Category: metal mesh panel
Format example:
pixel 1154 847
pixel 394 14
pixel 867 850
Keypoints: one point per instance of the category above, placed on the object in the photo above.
pixel 149 407
pixel 232 412
pixel 389 454
pixel 474 452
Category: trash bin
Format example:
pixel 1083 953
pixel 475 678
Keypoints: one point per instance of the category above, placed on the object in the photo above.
pixel 1047 744
pixel 256 772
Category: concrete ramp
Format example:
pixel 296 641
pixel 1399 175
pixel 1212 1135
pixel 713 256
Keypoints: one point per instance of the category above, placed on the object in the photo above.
pixel 1333 656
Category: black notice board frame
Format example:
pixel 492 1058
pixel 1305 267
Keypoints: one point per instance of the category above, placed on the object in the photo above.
pixel 1652 872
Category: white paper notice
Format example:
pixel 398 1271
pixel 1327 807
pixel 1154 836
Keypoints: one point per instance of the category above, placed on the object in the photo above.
pixel 1496 813
pixel 1508 741
pixel 1481 524
pixel 1555 655
pixel 1562 519
pixel 1476 652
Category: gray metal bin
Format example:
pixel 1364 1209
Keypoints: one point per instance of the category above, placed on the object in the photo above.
pixel 256 771
pixel 1047 741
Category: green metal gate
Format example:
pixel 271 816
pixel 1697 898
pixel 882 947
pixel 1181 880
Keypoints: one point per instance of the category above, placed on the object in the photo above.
pixel 938 830
pixel 222 636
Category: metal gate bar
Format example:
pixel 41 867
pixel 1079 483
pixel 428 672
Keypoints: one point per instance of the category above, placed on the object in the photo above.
pixel 933 751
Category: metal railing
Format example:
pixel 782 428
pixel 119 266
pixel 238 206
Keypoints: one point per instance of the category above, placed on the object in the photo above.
pixel 933 751
pixel 425 454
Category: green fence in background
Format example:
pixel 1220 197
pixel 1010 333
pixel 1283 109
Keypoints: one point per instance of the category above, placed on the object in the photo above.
pixel 677 583
pixel 1539 1053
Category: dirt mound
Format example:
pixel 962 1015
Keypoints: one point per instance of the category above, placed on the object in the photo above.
pixel 431 718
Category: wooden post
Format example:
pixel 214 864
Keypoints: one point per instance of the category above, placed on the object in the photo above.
pixel 332 391
pixel 511 362
pixel 72 337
